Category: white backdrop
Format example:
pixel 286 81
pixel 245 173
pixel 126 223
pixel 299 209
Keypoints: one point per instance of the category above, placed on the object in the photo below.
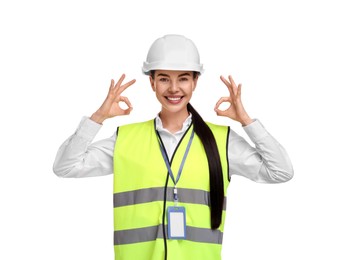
pixel 56 62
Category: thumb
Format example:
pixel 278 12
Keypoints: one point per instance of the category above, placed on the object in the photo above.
pixel 219 112
pixel 216 108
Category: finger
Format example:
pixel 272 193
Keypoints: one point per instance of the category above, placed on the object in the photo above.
pixel 233 84
pixel 222 100
pixel 239 90
pixel 219 112
pixel 111 84
pixel 123 87
pixel 126 101
pixel 232 80
pixel 127 111
pixel 228 84
pixel 119 82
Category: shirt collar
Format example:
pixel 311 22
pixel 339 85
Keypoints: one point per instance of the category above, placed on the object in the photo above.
pixel 186 124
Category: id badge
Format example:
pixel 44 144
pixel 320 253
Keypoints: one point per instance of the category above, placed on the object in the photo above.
pixel 176 223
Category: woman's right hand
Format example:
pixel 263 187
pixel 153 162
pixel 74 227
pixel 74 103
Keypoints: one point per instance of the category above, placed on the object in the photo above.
pixel 111 105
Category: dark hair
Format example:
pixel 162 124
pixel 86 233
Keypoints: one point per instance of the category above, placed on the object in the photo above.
pixel 214 164
pixel 195 74
pixel 215 168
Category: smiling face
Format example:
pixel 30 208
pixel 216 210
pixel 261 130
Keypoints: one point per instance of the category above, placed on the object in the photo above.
pixel 173 89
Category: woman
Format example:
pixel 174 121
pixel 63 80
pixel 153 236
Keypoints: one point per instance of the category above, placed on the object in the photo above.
pixel 171 173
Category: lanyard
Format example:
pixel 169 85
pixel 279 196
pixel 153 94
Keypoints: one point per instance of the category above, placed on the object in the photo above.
pixel 166 160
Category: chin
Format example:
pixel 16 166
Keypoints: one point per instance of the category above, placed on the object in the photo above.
pixel 175 108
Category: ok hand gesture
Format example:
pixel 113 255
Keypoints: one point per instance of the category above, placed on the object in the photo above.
pixel 236 110
pixel 110 107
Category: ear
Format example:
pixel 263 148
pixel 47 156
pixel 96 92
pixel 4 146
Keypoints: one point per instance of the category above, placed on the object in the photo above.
pixel 195 81
pixel 152 83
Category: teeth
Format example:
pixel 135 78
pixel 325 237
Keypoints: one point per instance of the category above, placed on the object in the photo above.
pixel 174 99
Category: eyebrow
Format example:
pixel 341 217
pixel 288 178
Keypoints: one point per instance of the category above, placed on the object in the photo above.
pixel 163 75
pixel 166 75
pixel 184 74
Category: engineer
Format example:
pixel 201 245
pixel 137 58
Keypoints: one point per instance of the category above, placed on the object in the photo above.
pixel 171 173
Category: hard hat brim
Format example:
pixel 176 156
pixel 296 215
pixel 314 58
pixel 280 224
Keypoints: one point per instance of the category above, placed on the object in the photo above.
pixel 147 67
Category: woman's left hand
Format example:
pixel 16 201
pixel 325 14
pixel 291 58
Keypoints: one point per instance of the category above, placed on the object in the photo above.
pixel 236 110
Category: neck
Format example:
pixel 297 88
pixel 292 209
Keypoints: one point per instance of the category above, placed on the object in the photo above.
pixel 173 121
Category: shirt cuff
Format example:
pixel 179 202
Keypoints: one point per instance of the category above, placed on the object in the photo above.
pixel 256 131
pixel 88 128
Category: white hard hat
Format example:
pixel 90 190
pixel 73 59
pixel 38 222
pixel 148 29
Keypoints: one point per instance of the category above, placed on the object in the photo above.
pixel 172 52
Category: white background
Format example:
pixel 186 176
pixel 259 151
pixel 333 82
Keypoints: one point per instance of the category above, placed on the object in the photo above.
pixel 56 62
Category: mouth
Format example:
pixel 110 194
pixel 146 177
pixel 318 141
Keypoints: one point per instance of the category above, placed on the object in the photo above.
pixel 174 99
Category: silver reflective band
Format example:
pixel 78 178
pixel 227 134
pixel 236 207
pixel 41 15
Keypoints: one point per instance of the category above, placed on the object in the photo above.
pixel 138 235
pixel 157 194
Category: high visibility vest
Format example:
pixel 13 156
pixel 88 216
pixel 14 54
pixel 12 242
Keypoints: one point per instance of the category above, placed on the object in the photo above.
pixel 139 179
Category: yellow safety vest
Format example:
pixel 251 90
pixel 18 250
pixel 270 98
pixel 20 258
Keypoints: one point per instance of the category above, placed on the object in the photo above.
pixel 139 180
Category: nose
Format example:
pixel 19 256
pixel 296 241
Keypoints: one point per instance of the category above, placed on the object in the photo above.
pixel 173 87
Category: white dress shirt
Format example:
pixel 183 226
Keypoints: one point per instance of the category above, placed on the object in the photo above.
pixel 268 162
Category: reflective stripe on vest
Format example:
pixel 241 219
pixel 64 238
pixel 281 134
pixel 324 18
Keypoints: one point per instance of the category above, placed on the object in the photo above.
pixel 151 194
pixel 139 178
pixel 145 234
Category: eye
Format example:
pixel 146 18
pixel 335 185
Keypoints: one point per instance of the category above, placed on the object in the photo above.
pixel 183 79
pixel 163 79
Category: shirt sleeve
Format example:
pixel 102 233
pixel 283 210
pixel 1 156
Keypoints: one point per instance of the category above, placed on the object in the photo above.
pixel 267 162
pixel 78 157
